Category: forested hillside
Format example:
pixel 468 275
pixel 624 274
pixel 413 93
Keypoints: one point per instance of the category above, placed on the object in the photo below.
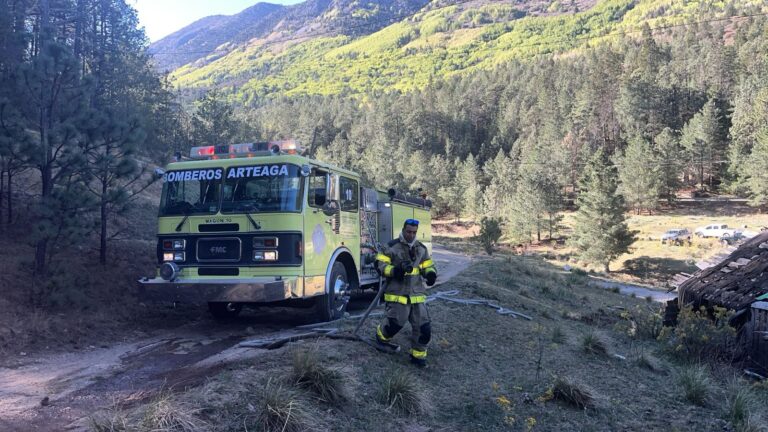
pixel 675 105
pixel 79 105
pixel 675 94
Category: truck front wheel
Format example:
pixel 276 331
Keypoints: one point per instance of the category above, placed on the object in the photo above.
pixel 332 305
pixel 224 310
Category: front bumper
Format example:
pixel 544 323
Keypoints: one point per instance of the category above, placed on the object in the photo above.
pixel 202 291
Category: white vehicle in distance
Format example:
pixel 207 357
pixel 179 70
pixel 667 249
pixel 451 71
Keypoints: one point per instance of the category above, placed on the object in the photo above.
pixel 676 236
pixel 718 230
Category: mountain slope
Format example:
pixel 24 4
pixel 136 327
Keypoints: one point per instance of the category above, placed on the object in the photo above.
pixel 443 38
pixel 219 35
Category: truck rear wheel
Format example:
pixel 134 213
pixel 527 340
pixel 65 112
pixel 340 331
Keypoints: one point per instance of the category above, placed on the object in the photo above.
pixel 332 305
pixel 224 310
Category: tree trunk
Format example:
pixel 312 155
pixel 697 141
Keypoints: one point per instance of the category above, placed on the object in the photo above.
pixel 103 239
pixel 550 226
pixel 607 269
pixel 10 198
pixel 2 191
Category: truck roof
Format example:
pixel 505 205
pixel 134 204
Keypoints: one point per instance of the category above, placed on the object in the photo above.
pixel 256 160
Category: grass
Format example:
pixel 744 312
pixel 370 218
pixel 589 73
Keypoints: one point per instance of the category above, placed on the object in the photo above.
pixel 401 392
pixel 280 409
pixel 327 383
pixel 165 413
pixel 572 393
pixel 694 381
pixel 484 369
pixel 645 362
pixel 108 421
pixel 591 343
pixel 558 336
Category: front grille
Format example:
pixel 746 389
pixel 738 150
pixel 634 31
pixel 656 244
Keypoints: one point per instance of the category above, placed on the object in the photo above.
pixel 218 271
pixel 219 227
pixel 221 249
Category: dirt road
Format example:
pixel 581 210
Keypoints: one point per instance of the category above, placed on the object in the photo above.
pixel 58 392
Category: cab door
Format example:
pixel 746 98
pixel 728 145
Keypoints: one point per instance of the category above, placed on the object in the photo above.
pixel 320 238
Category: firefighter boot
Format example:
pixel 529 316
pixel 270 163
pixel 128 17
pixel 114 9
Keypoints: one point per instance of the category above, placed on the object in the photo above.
pixel 384 343
pixel 419 358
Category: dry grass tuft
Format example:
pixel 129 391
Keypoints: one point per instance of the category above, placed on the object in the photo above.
pixel 403 393
pixel 108 421
pixel 741 403
pixel 329 384
pixel 592 344
pixel 280 409
pixel 646 362
pixel 558 336
pixel 166 414
pixel 572 393
pixel 695 383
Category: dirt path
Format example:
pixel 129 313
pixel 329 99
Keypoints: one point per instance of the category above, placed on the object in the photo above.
pixel 58 392
pixel 659 295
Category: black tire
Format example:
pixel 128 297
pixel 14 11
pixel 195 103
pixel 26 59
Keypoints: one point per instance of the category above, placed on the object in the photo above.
pixel 224 311
pixel 332 305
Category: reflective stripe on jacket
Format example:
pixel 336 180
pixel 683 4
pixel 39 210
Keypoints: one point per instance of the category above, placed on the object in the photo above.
pixel 393 255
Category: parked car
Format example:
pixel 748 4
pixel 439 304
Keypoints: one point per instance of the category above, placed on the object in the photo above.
pixel 732 239
pixel 715 230
pixel 736 237
pixel 676 236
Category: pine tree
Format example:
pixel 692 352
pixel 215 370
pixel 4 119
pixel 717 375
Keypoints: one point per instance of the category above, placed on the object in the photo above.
pixel 55 106
pixel 600 231
pixel 639 176
pixel 214 122
pixel 501 175
pixel 704 142
pixel 756 171
pixel 469 183
pixel 670 163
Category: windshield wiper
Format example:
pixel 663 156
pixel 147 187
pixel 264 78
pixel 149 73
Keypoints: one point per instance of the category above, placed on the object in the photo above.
pixel 253 222
pixel 187 212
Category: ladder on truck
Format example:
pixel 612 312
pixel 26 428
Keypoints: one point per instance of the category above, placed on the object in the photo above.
pixel 369 242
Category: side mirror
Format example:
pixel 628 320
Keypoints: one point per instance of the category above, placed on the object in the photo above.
pixel 332 187
pixel 331 205
pixel 330 208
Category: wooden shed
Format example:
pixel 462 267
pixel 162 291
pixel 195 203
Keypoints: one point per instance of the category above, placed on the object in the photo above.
pixel 740 283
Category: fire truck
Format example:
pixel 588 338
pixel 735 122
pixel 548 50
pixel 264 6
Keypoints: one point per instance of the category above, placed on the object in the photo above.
pixel 261 223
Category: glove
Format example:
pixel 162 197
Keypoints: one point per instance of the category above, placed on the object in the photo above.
pixel 431 278
pixel 398 273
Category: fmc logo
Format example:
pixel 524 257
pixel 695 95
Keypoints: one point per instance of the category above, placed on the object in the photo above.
pixel 218 249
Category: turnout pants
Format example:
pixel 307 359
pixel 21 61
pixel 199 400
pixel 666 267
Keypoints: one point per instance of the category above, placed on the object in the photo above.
pixel 421 329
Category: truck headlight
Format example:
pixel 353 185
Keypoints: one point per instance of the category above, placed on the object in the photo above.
pixel 265 255
pixel 174 256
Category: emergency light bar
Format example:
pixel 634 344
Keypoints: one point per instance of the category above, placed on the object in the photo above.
pixel 246 150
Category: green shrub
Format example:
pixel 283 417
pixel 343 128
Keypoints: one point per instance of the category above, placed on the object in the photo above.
pixel 643 321
pixel 701 336
pixel 490 233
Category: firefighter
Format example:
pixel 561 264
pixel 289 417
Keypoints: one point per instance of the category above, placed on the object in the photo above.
pixel 403 262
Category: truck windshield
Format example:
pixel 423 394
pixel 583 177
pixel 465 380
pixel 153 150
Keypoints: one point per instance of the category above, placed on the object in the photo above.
pixel 262 189
pixel 194 191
